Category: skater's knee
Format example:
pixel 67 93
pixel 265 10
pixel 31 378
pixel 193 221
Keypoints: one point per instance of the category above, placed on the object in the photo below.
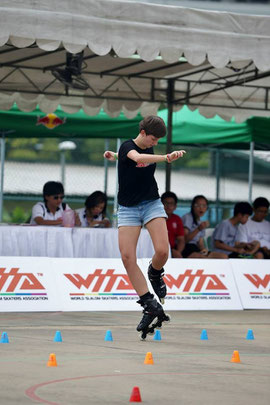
pixel 128 259
pixel 162 253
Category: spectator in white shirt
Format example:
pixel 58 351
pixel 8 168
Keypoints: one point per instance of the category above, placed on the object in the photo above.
pixel 195 232
pixel 225 233
pixel 257 229
pixel 94 213
pixel 51 210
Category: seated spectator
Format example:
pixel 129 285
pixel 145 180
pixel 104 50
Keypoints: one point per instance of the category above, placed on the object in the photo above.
pixel 195 232
pixel 94 213
pixel 51 210
pixel 256 229
pixel 174 225
pixel 225 233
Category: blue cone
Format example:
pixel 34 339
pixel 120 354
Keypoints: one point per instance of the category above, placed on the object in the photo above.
pixel 108 336
pixel 157 335
pixel 58 336
pixel 250 335
pixel 4 338
pixel 204 335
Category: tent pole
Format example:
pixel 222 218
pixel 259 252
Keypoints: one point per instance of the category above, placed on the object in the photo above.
pixel 217 183
pixel 250 172
pixel 62 165
pixel 116 187
pixel 3 144
pixel 170 95
pixel 106 147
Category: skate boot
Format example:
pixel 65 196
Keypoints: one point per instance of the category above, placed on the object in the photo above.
pixel 158 284
pixel 151 310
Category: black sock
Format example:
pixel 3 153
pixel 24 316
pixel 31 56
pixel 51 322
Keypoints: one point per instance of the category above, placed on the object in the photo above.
pixel 146 296
pixel 155 272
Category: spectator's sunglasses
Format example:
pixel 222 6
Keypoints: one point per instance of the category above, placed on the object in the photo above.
pixel 58 197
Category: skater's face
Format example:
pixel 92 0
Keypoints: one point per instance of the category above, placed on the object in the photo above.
pixel 200 207
pixel 169 205
pixel 149 140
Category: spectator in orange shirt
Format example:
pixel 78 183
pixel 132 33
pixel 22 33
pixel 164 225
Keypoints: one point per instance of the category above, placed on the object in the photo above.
pixel 174 223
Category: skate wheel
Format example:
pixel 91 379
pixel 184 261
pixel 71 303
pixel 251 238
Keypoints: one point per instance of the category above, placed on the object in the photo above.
pixel 143 337
pixel 168 318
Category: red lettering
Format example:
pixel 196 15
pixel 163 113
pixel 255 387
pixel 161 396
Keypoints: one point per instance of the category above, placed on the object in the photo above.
pixel 197 280
pixel 109 280
pixel 257 280
pixel 30 282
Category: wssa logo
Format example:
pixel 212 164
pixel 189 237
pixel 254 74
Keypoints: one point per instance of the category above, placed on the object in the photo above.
pixel 112 283
pixel 15 285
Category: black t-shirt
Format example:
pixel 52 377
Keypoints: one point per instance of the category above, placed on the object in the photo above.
pixel 136 181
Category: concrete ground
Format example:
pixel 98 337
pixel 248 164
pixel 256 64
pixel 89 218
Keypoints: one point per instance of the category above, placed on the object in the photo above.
pixel 186 369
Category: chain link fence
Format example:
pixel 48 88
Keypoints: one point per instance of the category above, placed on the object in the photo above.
pixel 223 181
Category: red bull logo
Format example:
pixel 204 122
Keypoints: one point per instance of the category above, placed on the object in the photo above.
pixel 50 121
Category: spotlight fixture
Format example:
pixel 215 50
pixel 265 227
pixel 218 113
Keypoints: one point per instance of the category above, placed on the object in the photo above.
pixel 70 76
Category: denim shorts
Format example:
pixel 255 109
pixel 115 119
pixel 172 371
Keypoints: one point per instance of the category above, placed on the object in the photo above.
pixel 140 214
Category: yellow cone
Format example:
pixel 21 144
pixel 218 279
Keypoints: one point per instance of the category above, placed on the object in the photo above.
pixel 235 357
pixel 52 361
pixel 148 358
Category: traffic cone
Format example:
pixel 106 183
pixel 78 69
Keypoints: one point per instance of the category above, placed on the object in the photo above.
pixel 135 395
pixel 204 335
pixel 235 357
pixel 58 336
pixel 148 358
pixel 250 335
pixel 52 361
pixel 108 336
pixel 4 338
pixel 157 335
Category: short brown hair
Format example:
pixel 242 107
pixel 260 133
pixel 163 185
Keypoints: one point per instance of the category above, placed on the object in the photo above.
pixel 153 125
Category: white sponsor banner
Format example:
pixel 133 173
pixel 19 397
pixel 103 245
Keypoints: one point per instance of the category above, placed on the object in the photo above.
pixel 194 284
pixel 102 284
pixel 95 285
pixel 70 284
pixel 27 284
pixel 253 281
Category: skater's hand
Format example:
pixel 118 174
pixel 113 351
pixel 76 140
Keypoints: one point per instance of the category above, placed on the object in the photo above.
pixel 112 156
pixel 175 155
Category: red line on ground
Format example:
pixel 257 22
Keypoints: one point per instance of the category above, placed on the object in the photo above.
pixel 30 392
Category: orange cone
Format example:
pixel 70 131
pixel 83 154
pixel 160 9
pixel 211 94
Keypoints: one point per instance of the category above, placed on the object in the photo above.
pixel 148 358
pixel 135 395
pixel 235 357
pixel 52 361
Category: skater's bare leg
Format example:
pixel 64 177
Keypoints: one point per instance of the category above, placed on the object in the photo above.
pixel 159 235
pixel 128 237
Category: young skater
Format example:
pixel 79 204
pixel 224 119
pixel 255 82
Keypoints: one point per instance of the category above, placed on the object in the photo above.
pixel 139 205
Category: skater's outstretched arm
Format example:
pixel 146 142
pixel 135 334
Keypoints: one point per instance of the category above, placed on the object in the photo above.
pixel 146 158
